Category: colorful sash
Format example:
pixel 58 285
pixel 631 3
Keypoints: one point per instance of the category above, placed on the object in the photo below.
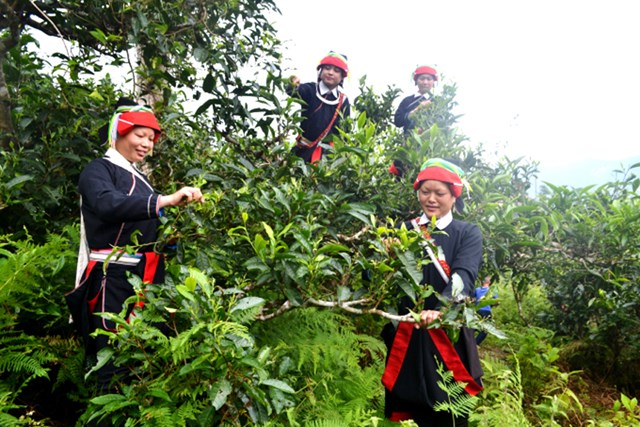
pixel 303 142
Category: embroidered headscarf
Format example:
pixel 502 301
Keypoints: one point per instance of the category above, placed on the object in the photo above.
pixel 442 170
pixel 128 116
pixel 337 60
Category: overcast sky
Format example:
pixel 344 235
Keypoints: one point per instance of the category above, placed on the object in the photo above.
pixel 557 81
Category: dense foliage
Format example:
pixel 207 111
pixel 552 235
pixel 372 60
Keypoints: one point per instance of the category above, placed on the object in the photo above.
pixel 275 294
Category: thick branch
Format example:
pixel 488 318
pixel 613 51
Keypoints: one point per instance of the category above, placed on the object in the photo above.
pixel 347 306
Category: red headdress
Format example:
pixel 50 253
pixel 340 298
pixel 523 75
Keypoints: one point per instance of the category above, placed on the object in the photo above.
pixel 336 60
pixel 441 170
pixel 424 69
pixel 127 117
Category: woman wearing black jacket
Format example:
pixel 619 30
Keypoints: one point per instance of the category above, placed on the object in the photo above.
pixel 424 77
pixel 411 377
pixel 325 105
pixel 119 207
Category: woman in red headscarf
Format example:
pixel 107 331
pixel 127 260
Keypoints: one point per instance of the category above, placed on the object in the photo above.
pixel 424 77
pixel 324 105
pixel 119 208
pixel 411 377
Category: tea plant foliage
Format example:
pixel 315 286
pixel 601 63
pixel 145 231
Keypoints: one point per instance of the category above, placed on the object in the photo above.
pixel 282 279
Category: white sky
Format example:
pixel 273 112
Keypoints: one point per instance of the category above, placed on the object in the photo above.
pixel 557 81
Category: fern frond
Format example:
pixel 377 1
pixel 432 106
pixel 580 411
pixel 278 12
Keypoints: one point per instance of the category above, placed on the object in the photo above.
pixel 6 405
pixel 161 416
pixel 502 399
pixel 8 420
pixel 337 369
pixel 27 263
pixel 460 404
pixel 182 344
pixel 184 413
pixel 72 369
pixel 335 422
pixel 23 364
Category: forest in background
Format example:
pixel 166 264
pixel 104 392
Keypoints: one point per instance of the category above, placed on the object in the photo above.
pixel 273 320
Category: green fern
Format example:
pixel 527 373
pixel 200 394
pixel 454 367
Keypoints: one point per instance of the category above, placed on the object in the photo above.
pixel 72 371
pixel 184 413
pixel 33 279
pixel 460 403
pixel 336 370
pixel 245 310
pixel 7 404
pixel 22 358
pixel 327 423
pixel 501 401
pixel 21 364
pixel 24 264
pixel 160 416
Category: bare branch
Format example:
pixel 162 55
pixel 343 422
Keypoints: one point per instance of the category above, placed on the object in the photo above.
pixel 83 40
pixel 44 15
pixel 284 307
pixel 347 306
pixel 355 236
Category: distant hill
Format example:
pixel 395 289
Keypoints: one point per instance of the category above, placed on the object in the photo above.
pixel 583 173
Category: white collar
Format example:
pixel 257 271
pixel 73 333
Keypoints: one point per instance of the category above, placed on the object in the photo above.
pixel 323 89
pixel 441 223
pixel 118 159
pixel 426 95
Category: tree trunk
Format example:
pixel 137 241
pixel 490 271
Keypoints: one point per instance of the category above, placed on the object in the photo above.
pixel 6 124
pixel 147 90
pixel 7 132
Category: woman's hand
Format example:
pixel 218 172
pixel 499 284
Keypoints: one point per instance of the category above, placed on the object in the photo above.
pixel 182 197
pixel 421 106
pixel 426 317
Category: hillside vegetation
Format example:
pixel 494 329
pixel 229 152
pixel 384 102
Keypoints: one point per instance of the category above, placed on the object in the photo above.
pixel 277 290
